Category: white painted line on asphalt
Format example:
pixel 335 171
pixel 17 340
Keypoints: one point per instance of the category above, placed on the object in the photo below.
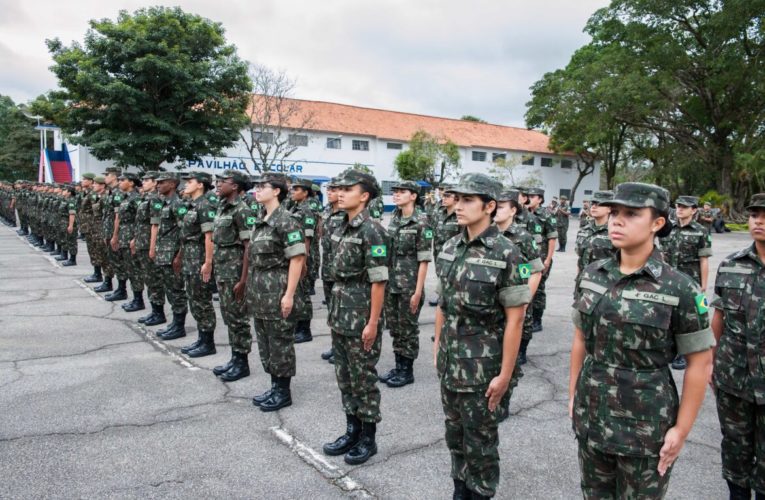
pixel 163 347
pixel 310 456
pixel 88 289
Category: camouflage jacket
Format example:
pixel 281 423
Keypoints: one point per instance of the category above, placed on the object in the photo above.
pixel 361 258
pixel 273 242
pixel 446 228
pixel 708 214
pixel 411 240
pixel 562 215
pixel 740 295
pixel 309 220
pixel 592 243
pixel 376 208
pixel 142 228
pixel 528 247
pixel 168 217
pixel 97 205
pixel 85 212
pixel 684 247
pixel 545 228
pixel 634 326
pixel 230 230
pixel 331 222
pixel 109 205
pixel 126 211
pixel 195 223
pixel 477 280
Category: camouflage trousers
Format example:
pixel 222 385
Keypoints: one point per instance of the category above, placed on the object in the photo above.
pixel 235 317
pixel 356 373
pixel 403 325
pixel 69 241
pixel 132 270
pixel 327 285
pixel 174 291
pixel 539 302
pixel 100 251
pixel 472 438
pixel 304 306
pixel 609 476
pixel 562 236
pixel 96 258
pixel 514 379
pixel 152 278
pixel 743 444
pixel 116 262
pixel 276 346
pixel 528 319
pixel 314 263
pixel 200 301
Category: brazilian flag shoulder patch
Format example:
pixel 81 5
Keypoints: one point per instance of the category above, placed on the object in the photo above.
pixel 182 210
pixel 524 270
pixel 250 221
pixel 538 228
pixel 379 251
pixel 211 214
pixel 702 304
pixel 553 220
pixel 310 221
pixel 157 206
pixel 428 234
pixel 294 236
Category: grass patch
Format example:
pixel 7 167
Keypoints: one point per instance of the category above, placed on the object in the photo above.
pixel 738 227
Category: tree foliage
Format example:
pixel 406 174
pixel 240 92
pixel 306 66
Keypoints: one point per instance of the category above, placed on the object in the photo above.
pixel 19 142
pixel 155 86
pixel 471 118
pixel 428 158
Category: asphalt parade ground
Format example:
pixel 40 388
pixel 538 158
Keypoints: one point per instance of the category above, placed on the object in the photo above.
pixel 93 405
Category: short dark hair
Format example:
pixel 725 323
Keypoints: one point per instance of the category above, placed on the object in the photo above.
pixel 664 231
pixel 486 199
pixel 282 187
pixel 371 189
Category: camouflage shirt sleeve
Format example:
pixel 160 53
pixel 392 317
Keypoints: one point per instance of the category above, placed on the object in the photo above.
pixel 424 241
pixel 156 211
pixel 206 213
pixel 292 237
pixel 690 319
pixel 309 223
pixel 550 228
pixel 513 289
pixel 705 244
pixel 244 219
pixel 375 252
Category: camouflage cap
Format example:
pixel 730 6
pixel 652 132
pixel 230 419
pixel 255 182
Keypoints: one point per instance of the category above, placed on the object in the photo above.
pixel 129 176
pixel 533 191
pixel 88 175
pixel 151 174
pixel 509 195
pixel 99 179
pixel 564 197
pixel 332 182
pixel 353 177
pixel 271 177
pixel 236 175
pixel 302 183
pixel 408 185
pixel 445 186
pixel 202 177
pixel 601 196
pixel 315 188
pixel 640 195
pixel 113 170
pixel 167 176
pixel 687 201
pixel 479 184
pixel 757 201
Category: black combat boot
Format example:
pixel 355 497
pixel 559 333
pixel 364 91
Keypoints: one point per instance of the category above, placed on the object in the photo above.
pixel 327 354
pixel 54 249
pixel 221 369
pixel 477 496
pixel 119 294
pixel 22 232
pixel 240 368
pixel 331 359
pixel 522 351
pixel 106 286
pixel 205 348
pixel 393 371
pixel 281 396
pixel 344 443
pixel 740 492
pixel 258 400
pixel 460 490
pixel 177 328
pixel 71 261
pixel 185 349
pixel 366 448
pixel 405 375
pixel 679 362
pixel 303 331
pixel 157 316
pixel 62 256
pixel 168 328
pixel 136 304
pixel 49 246
pixel 95 277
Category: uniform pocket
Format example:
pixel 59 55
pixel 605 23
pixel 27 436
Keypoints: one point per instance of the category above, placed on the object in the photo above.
pixel 647 326
pixel 479 355
pixel 731 368
pixel 224 232
pixel 406 243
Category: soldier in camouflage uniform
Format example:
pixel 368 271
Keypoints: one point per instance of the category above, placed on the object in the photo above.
pixel 739 376
pixel 87 220
pixel 197 260
pixel 706 217
pixel 444 225
pixel 411 242
pixel 139 248
pixel 109 204
pixel 478 333
pixel 541 224
pixel 332 219
pixel 164 249
pixel 507 207
pixel 315 203
pixel 301 206
pixel 360 274
pixel 632 315
pixel 124 231
pixel 231 237
pixel 98 200
pixel 68 209
pixel 562 215
pixel 276 259
pixel 688 248
pixel 592 241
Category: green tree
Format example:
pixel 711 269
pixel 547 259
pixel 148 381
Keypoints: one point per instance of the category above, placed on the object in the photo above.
pixel 156 86
pixel 428 158
pixel 471 118
pixel 19 143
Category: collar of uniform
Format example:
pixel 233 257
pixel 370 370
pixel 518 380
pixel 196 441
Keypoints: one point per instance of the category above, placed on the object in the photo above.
pixel 406 220
pixel 271 218
pixel 360 218
pixel 487 238
pixel 652 267
pixel 749 252
pixel 513 229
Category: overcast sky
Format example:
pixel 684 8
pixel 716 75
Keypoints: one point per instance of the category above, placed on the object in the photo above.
pixel 436 57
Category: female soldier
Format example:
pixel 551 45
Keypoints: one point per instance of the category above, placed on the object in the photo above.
pixel 477 333
pixel 410 240
pixel 276 260
pixel 332 219
pixel 196 260
pixel 633 314
pixel 358 292
pixel 592 241
pixel 739 375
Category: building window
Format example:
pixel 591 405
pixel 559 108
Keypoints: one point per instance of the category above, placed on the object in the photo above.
pixel 588 192
pixel 566 164
pixel 360 145
pixel 264 137
pixel 528 160
pixel 298 140
pixel 498 156
pixel 395 145
pixel 387 187
pixel 334 143
pixel 566 193
pixel 479 156
pixel 547 162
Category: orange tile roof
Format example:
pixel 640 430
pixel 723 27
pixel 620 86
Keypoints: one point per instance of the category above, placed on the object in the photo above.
pixel 398 126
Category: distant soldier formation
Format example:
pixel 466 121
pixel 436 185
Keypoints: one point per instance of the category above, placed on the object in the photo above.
pixel 260 244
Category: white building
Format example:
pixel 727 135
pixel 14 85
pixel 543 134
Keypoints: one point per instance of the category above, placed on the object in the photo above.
pixel 342 135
